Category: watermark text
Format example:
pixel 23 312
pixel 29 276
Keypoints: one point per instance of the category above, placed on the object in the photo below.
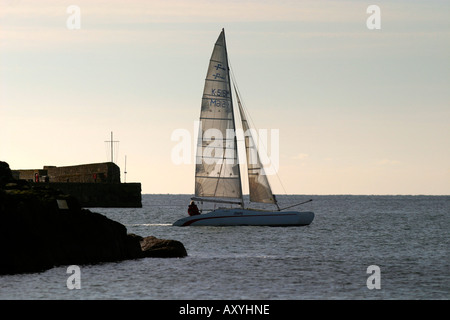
pixel 74 280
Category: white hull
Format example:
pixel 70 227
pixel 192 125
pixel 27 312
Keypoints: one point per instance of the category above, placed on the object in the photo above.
pixel 245 217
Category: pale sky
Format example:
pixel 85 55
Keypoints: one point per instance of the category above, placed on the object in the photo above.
pixel 359 111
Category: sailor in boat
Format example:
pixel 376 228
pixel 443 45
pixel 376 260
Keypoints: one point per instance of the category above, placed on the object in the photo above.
pixel 193 209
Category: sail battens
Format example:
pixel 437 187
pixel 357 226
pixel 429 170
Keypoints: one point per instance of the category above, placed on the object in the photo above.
pixel 225 155
pixel 225 178
pixel 217 139
pixel 223 81
pixel 222 159
pixel 210 118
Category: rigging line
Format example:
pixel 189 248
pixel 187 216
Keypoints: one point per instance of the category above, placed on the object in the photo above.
pixel 253 124
pixel 244 166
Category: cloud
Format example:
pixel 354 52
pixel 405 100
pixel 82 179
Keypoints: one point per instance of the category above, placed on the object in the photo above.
pixel 387 162
pixel 135 13
pixel 300 156
pixel 42 24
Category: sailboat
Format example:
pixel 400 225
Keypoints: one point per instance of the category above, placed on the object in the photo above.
pixel 217 172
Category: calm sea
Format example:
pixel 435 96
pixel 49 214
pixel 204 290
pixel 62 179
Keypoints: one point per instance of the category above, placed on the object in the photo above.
pixel 406 237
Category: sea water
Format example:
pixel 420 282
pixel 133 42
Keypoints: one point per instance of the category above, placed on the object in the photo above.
pixel 357 247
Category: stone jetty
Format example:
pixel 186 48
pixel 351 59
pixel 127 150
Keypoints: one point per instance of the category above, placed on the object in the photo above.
pixel 41 227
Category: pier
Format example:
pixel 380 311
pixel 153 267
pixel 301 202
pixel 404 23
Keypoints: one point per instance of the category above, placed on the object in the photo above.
pixel 94 184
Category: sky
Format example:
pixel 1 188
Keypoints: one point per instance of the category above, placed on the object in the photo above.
pixel 358 110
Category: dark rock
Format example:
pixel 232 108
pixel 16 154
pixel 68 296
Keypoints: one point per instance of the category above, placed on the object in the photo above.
pixel 160 248
pixel 5 174
pixel 41 227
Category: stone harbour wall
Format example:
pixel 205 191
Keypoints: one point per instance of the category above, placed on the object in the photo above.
pixel 94 185
pixel 107 195
pixel 106 172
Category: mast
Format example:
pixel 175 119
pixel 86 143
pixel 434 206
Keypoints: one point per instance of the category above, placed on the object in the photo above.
pixel 112 146
pixel 125 172
pixel 234 119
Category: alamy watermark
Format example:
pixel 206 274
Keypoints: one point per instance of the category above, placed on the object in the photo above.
pixel 373 22
pixel 73 22
pixel 74 280
pixel 374 280
pixel 218 147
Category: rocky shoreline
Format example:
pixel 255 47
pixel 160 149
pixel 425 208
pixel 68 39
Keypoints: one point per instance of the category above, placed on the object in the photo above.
pixel 41 228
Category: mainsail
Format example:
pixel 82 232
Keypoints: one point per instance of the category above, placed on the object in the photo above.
pixel 217 171
pixel 259 187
